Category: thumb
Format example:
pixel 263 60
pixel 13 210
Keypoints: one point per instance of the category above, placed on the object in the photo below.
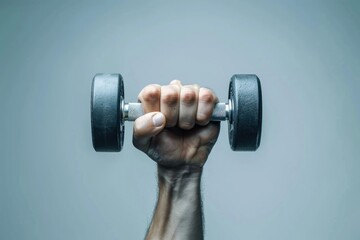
pixel 145 127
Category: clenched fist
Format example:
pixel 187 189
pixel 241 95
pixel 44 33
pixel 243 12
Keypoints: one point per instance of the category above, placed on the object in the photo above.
pixel 176 129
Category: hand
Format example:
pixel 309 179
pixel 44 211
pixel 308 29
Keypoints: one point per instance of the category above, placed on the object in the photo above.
pixel 176 129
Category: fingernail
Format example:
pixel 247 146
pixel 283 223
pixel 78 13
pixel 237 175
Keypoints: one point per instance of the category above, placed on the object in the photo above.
pixel 158 119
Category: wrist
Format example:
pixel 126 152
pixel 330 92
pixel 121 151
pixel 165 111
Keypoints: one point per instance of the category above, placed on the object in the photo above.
pixel 178 210
pixel 181 182
pixel 179 174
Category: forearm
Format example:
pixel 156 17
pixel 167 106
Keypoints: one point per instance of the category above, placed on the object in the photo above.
pixel 178 213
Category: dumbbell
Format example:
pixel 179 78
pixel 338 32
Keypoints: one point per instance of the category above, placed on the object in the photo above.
pixel 109 112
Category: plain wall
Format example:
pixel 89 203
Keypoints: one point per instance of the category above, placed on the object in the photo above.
pixel 302 183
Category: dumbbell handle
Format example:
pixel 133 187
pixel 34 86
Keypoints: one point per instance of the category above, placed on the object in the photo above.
pixel 132 111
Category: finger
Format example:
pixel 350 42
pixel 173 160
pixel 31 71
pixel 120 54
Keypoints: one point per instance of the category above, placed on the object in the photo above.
pixel 206 103
pixel 150 98
pixel 176 82
pixel 208 134
pixel 145 127
pixel 169 103
pixel 188 106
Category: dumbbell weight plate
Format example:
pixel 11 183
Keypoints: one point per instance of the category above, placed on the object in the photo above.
pixel 107 126
pixel 245 112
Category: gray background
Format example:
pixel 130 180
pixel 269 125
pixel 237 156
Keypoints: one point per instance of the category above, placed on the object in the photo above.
pixel 302 183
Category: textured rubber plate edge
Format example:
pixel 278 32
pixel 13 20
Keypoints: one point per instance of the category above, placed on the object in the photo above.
pixel 243 138
pixel 104 144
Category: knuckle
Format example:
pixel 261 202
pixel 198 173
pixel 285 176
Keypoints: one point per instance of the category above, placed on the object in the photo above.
pixel 187 125
pixel 171 118
pixel 170 96
pixel 170 123
pixel 206 96
pixel 203 123
pixel 188 96
pixel 150 93
pixel 202 118
pixel 176 82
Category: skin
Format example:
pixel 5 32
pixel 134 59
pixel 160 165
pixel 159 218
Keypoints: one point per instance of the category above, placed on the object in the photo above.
pixel 176 132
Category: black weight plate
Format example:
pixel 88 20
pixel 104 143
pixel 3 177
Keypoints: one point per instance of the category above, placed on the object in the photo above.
pixel 107 94
pixel 246 112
